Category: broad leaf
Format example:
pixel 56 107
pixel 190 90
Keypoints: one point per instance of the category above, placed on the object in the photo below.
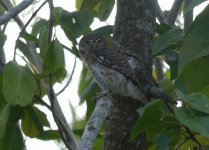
pixel 194 120
pixel 33 121
pixel 25 50
pixel 195 74
pixel 29 37
pixel 165 41
pixel 87 4
pixel 38 26
pixel 13 139
pixel 167 85
pixel 193 4
pixel 196 43
pixel 197 101
pixel 105 9
pixel 49 135
pixel 44 40
pixel 75 23
pixel 155 118
pixel 4 114
pixel 19 84
pixel 87 89
pixel 167 138
pixel 105 30
pixel 54 58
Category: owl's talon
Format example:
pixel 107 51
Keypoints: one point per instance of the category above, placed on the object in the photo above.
pixel 101 94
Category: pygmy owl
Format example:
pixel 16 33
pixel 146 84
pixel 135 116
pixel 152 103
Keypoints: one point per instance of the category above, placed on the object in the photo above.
pixel 119 73
pixel 109 67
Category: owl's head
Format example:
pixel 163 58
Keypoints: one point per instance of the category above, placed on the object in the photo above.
pixel 92 42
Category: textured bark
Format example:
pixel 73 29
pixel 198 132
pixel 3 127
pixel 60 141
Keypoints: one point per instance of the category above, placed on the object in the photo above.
pixel 133 34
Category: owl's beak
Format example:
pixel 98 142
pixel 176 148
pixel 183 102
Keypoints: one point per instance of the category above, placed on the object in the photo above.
pixel 94 46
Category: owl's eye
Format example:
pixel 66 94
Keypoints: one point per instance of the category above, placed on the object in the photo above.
pixel 88 43
pixel 99 41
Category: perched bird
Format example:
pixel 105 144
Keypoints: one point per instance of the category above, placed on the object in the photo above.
pixel 113 70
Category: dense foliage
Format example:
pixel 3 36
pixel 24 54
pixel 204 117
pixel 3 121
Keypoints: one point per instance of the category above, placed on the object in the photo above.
pixel 167 127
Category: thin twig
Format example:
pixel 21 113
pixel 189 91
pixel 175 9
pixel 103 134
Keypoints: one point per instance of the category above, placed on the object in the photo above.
pixel 173 13
pixel 43 102
pixel 190 135
pixel 69 80
pixel 65 131
pixel 26 25
pixel 182 143
pixel 159 13
pixel 94 123
pixel 159 68
pixel 7 6
pixel 15 11
pixel 51 19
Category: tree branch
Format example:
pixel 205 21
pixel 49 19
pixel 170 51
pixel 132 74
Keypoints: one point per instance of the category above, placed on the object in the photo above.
pixel 159 13
pixel 7 6
pixel 59 118
pixel 69 80
pixel 94 123
pixel 173 13
pixel 11 13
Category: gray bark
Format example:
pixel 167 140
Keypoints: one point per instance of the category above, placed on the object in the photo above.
pixel 11 13
pixel 173 13
pixel 133 34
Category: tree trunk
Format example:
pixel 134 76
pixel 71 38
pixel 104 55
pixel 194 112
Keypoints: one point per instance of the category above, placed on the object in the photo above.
pixel 133 34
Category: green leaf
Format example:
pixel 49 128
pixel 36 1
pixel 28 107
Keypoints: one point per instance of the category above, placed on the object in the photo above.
pixel 195 74
pixel 162 140
pixel 173 63
pixel 4 114
pixel 197 101
pixel 155 118
pixel 33 121
pixel 43 40
pixel 39 117
pixel 205 147
pixel 194 46
pixel 54 59
pixel 167 85
pixel 87 89
pixel 2 42
pixel 193 4
pixel 76 23
pixel 13 139
pixel 105 9
pixel 29 37
pixel 49 135
pixel 88 4
pixel 105 30
pixel 25 50
pixel 201 18
pixel 38 26
pixel 165 41
pixel 19 84
pixel 196 121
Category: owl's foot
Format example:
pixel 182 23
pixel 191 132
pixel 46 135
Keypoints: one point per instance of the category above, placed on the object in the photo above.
pixel 101 94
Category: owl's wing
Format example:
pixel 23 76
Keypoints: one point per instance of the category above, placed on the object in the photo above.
pixel 116 61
